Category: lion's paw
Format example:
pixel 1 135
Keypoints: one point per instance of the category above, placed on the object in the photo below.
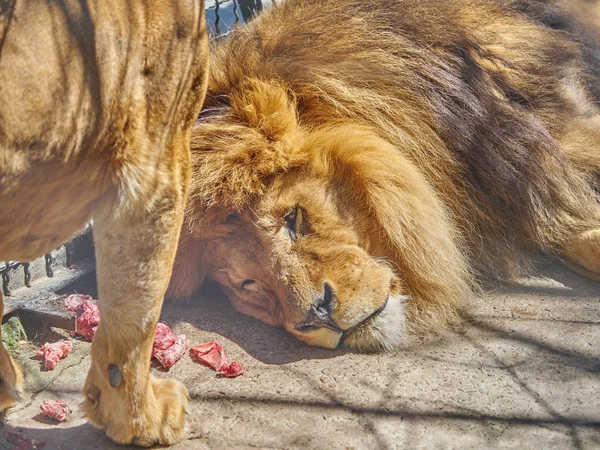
pixel 157 418
pixel 172 400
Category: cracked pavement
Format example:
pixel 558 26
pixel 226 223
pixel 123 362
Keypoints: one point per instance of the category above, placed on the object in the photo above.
pixel 524 372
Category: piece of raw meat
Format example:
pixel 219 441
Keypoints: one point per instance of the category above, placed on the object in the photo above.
pixel 56 409
pixel 52 353
pixel 167 347
pixel 73 301
pixel 88 318
pixel 163 337
pixel 171 355
pixel 213 355
pixel 88 314
pixel 235 369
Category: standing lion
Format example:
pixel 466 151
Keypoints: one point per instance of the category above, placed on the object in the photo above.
pixel 97 101
pixel 357 163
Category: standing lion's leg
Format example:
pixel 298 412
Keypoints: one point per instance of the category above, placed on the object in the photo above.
pixel 582 254
pixel 135 251
pixel 11 376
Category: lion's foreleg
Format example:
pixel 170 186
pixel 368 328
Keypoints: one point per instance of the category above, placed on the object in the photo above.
pixel 135 252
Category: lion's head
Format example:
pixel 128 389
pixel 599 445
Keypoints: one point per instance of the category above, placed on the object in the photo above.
pixel 329 232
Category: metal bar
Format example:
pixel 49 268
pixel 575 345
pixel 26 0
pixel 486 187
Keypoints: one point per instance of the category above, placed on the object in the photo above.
pixel 27 274
pixel 49 261
pixel 250 8
pixel 6 278
pixel 235 14
pixel 217 18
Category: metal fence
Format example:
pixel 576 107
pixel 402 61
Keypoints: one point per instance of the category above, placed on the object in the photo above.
pixel 15 274
pixel 223 15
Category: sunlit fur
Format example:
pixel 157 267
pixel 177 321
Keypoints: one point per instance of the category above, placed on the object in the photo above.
pixel 426 141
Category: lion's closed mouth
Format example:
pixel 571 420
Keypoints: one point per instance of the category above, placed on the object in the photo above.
pixel 319 321
pixel 312 327
pixel 365 322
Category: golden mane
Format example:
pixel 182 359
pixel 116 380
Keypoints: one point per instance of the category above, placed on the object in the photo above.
pixel 463 134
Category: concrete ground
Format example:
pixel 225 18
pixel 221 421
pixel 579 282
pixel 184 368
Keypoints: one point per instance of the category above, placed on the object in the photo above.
pixel 523 373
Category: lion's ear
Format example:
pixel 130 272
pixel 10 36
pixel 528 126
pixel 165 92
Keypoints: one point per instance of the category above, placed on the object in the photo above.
pixel 236 150
pixel 411 225
pixel 268 107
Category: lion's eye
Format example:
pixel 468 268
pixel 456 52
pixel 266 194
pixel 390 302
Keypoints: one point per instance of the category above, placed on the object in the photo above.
pixel 293 222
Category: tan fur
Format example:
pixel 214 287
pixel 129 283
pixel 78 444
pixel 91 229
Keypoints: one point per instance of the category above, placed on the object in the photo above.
pixel 423 141
pixel 97 100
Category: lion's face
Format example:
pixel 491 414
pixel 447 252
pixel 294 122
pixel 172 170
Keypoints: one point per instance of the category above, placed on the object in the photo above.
pixel 298 257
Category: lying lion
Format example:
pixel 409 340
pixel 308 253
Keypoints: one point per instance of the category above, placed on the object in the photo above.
pixel 358 162
pixel 97 100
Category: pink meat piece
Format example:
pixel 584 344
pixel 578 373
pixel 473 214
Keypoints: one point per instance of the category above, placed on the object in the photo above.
pixel 88 318
pixel 172 354
pixel 88 314
pixel 213 355
pixel 56 409
pixel 52 353
pixel 235 369
pixel 163 337
pixel 73 301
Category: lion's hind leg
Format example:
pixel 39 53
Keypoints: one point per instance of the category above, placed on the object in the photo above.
pixel 581 250
pixel 582 254
pixel 11 375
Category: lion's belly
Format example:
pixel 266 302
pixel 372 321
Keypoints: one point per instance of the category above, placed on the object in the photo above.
pixel 44 208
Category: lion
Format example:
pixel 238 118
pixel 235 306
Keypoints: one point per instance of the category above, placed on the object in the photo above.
pixel 97 101
pixel 359 167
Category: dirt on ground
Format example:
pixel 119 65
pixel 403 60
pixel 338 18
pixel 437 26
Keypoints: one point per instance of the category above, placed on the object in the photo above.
pixel 524 372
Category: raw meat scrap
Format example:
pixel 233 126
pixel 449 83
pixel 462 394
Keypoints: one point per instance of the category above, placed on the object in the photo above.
pixel 213 355
pixel 52 353
pixel 163 337
pixel 171 355
pixel 73 301
pixel 56 409
pixel 167 347
pixel 88 314
pixel 235 369
pixel 88 318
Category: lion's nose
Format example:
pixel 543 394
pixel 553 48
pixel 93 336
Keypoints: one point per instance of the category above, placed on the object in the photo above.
pixel 320 312
pixel 325 303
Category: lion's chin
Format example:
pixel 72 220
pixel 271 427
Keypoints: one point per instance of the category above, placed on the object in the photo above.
pixel 383 331
pixel 322 337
